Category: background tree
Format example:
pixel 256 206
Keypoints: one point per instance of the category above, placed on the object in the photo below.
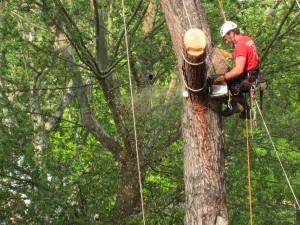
pixel 86 50
pixel 55 169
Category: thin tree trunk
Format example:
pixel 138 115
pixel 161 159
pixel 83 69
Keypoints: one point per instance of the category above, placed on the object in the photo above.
pixel 201 123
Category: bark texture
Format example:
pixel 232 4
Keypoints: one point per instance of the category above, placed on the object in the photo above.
pixel 204 172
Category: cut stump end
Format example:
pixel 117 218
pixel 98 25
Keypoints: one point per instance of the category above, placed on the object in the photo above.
pixel 195 42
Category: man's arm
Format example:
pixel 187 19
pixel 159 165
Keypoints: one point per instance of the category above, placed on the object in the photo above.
pixel 226 54
pixel 240 63
pixel 230 56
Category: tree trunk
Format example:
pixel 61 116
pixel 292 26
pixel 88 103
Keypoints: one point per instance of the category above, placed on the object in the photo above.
pixel 204 172
pixel 128 196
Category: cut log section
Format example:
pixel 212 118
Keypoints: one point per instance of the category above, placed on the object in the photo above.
pixel 195 42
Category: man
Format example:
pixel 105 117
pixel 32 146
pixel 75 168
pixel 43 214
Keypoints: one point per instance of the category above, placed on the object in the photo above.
pixel 242 77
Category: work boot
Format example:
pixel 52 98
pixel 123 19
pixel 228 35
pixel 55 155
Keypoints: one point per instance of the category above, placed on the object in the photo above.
pixel 241 100
pixel 236 108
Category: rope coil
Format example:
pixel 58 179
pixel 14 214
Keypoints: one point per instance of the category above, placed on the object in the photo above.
pixel 194 64
pixel 190 63
pixel 191 89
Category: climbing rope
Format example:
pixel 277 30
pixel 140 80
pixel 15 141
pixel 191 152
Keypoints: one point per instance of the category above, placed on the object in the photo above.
pixel 193 64
pixel 278 157
pixel 221 9
pixel 247 140
pixel 133 113
pixel 191 89
pixel 190 63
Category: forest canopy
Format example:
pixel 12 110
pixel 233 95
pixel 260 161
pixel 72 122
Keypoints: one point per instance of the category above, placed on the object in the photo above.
pixel 67 147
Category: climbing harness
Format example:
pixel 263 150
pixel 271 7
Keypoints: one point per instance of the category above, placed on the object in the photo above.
pixel 248 82
pixel 133 114
pixel 245 82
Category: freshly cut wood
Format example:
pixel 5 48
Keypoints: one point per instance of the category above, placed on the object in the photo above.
pixel 195 42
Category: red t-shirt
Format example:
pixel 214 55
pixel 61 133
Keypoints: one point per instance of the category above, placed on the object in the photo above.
pixel 246 47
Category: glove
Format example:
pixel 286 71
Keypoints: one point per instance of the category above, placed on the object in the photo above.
pixel 224 53
pixel 219 80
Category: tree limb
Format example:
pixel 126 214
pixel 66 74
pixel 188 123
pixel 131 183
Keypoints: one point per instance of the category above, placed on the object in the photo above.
pixel 276 34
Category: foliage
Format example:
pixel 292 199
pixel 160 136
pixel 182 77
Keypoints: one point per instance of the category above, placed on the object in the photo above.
pixel 74 178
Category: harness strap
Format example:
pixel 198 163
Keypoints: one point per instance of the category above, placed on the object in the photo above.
pixel 245 82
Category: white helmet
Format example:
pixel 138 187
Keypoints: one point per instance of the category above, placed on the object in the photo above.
pixel 227 26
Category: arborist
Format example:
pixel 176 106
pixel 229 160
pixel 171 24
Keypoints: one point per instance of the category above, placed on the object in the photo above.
pixel 242 77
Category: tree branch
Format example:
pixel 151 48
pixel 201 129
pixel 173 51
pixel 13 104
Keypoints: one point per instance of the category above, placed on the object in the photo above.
pixel 28 181
pixel 276 34
pixel 91 123
pixel 122 33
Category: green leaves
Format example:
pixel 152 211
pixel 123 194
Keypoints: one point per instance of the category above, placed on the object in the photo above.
pixel 49 158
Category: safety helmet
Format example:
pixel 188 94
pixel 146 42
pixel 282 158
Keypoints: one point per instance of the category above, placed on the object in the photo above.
pixel 227 26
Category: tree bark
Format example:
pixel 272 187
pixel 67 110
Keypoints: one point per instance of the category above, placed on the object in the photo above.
pixel 204 172
pixel 128 195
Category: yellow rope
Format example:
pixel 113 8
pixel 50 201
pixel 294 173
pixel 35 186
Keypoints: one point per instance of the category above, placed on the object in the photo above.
pixel 222 11
pixel 249 168
pixel 133 115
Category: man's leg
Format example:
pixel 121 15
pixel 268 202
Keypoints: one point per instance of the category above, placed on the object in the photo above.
pixel 236 106
pixel 240 98
pixel 239 105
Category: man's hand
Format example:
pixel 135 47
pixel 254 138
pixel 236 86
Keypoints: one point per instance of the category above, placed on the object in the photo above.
pixel 225 53
pixel 219 80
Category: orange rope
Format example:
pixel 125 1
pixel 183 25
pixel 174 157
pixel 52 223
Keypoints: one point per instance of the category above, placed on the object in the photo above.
pixel 249 169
